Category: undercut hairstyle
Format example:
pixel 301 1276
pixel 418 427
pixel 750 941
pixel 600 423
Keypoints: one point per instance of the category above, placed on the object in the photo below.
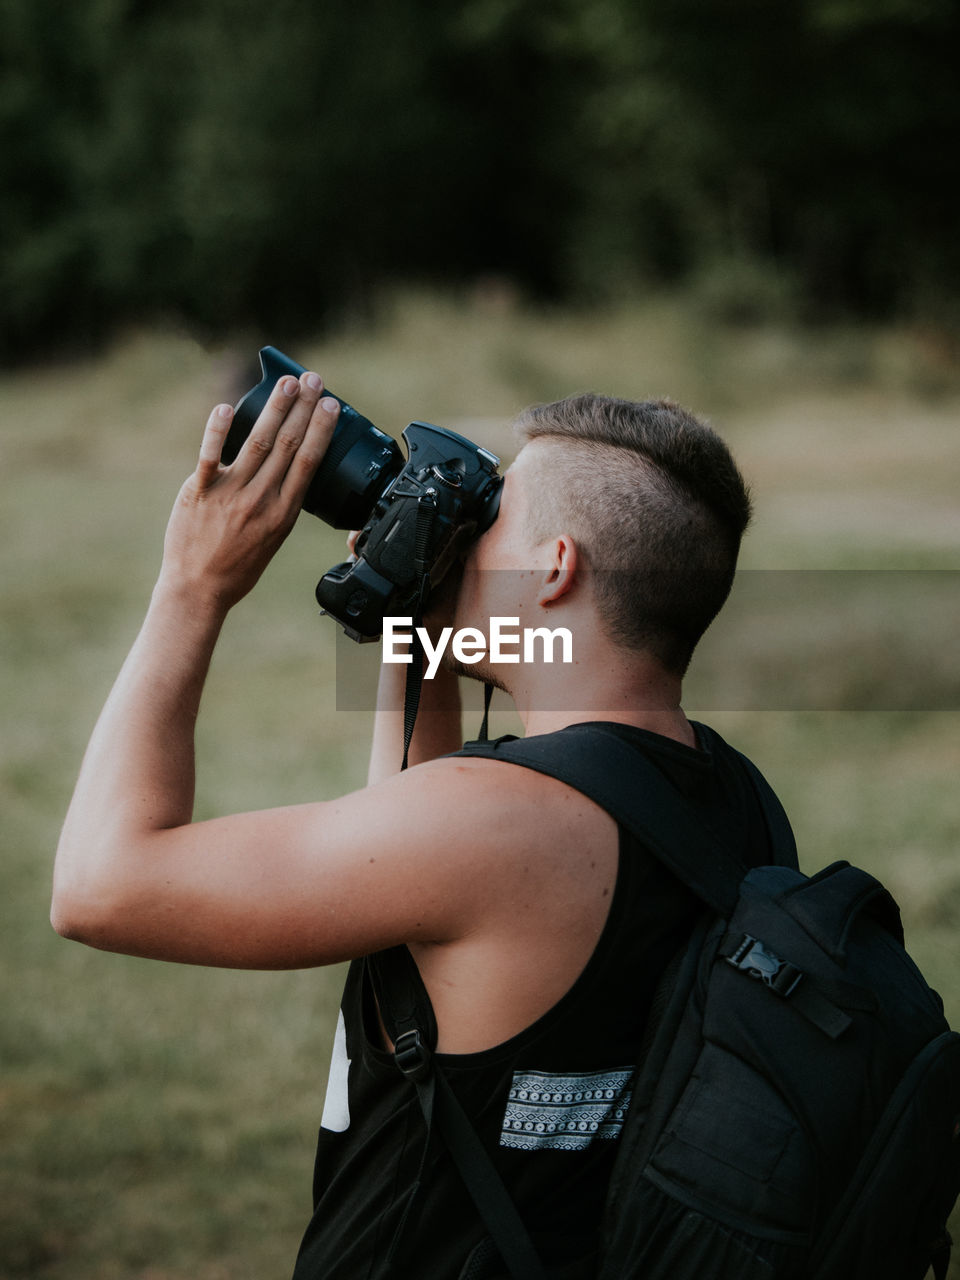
pixel 656 504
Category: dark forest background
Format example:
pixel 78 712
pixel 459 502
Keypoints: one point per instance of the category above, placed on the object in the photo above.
pixel 232 164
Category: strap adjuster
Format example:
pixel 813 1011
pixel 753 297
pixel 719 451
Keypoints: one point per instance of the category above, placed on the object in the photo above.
pixel 757 961
pixel 411 1055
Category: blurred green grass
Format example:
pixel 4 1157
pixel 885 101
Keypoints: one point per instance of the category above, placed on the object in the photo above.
pixel 158 1121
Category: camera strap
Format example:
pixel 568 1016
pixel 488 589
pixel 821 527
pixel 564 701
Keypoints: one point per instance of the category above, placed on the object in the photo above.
pixel 411 700
pixel 414 681
pixel 422 552
pixel 484 734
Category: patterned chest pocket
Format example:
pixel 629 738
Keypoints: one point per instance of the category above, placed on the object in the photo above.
pixel 549 1111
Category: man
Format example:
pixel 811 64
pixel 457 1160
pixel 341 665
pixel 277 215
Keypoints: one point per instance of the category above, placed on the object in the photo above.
pixel 538 928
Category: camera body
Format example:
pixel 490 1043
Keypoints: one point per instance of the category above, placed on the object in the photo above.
pixel 414 516
pixel 444 497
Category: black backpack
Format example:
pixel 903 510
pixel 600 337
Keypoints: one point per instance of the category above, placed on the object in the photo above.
pixel 795 1113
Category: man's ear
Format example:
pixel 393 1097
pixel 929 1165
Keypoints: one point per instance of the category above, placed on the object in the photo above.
pixel 560 573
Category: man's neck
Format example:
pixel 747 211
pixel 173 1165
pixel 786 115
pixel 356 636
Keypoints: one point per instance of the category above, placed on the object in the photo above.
pixel 669 723
pixel 607 683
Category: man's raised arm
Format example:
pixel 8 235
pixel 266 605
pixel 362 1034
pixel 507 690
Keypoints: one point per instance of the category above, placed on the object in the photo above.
pixel 302 885
pixel 227 523
pixel 438 728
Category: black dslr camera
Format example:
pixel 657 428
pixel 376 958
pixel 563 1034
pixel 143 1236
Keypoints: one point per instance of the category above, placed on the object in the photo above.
pixel 415 517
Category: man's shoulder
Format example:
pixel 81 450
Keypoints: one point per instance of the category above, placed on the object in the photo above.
pixel 477 794
pixel 466 774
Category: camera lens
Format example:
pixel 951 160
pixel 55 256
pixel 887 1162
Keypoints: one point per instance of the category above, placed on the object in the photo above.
pixel 359 464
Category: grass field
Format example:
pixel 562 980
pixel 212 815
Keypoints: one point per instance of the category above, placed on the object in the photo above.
pixel 158 1121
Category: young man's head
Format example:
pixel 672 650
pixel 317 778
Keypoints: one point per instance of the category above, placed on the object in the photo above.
pixel 656 505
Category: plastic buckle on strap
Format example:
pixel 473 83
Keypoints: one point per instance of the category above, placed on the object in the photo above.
pixel 411 1055
pixel 759 962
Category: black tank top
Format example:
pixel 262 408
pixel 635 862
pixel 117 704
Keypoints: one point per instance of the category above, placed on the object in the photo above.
pixel 548 1103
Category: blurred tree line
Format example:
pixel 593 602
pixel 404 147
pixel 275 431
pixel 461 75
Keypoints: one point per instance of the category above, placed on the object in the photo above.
pixel 231 164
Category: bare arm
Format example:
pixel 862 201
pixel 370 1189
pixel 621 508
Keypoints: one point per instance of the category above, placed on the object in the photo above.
pixel 138 771
pixel 304 885
pixel 438 727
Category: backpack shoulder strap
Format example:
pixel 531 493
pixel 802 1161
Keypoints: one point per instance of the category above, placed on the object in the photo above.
pixel 408 1017
pixel 597 762
pixel 782 839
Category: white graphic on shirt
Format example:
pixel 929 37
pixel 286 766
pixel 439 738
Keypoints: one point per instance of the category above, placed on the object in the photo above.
pixel 336 1105
pixel 565 1112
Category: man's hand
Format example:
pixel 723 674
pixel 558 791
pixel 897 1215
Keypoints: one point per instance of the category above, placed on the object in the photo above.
pixel 229 521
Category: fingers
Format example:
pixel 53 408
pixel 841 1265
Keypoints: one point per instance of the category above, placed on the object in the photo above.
pixel 289 437
pixel 211 446
pixel 285 447
pixel 311 450
pixel 278 430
